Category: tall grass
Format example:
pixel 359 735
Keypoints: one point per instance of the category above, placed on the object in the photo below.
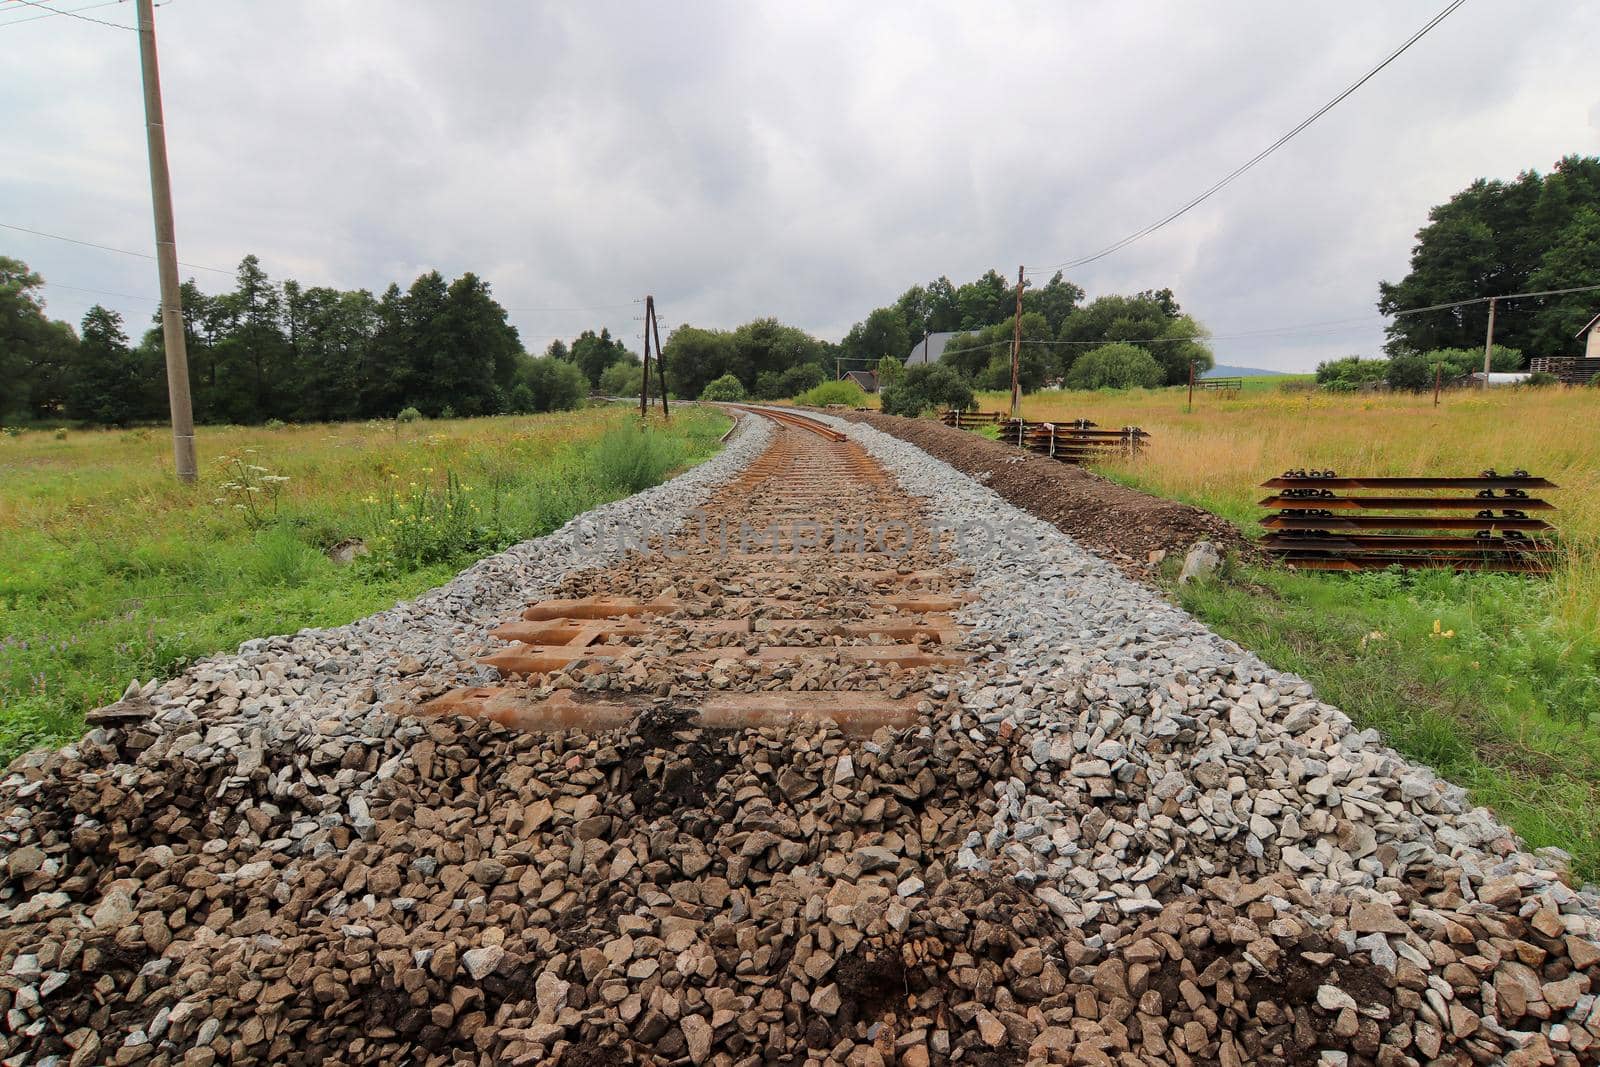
pixel 114 570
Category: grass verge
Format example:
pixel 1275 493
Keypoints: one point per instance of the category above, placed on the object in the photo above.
pixel 114 571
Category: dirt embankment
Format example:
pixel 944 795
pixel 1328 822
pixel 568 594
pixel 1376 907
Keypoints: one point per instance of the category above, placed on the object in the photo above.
pixel 1122 525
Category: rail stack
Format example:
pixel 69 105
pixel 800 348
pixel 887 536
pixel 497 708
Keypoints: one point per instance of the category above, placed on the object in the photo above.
pixel 1079 441
pixel 1465 524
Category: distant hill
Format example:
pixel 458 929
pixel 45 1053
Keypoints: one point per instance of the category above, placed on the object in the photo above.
pixel 1223 370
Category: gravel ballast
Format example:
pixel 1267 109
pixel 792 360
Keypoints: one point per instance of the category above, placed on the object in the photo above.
pixel 1113 839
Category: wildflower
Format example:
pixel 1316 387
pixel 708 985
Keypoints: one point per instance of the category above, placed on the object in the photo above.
pixel 1374 637
pixel 275 478
pixel 1437 632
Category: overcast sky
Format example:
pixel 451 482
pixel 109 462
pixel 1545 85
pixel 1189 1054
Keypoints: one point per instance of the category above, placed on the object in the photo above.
pixel 804 160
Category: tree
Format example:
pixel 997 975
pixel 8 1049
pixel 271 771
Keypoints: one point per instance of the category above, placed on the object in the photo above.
pixel 1151 320
pixel 695 357
pixel 797 380
pixel 985 302
pixel 1496 238
pixel 927 387
pixel 623 378
pixel 882 333
pixel 1057 300
pixel 550 384
pixel 726 388
pixel 891 371
pixel 1115 366
pixel 104 385
pixel 593 353
pixel 35 352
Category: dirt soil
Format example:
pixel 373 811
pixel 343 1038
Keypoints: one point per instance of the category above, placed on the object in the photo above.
pixel 1131 529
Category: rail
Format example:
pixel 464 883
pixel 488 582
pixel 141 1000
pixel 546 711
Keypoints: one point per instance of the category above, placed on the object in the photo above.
pixel 785 417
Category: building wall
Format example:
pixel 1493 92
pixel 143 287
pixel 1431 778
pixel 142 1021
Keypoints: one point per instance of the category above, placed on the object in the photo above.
pixel 1593 348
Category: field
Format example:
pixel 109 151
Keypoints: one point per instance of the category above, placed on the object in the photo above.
pixel 1493 680
pixel 112 570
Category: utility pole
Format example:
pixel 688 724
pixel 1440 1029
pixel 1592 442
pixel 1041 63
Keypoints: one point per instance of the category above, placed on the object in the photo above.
pixel 1437 380
pixel 1016 354
pixel 1488 343
pixel 661 353
pixel 166 253
pixel 1191 387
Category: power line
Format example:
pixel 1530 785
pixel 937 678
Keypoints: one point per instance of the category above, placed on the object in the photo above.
pixel 1264 153
pixel 75 14
pixel 100 292
pixel 54 11
pixel 106 248
pixel 1486 299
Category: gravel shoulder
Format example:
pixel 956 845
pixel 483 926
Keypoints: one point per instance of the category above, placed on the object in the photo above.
pixel 1115 522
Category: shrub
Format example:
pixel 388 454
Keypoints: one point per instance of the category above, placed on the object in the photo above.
pixel 1350 373
pixel 622 379
pixel 1594 382
pixel 61 433
pixel 408 415
pixel 1410 372
pixel 1116 366
pixel 727 387
pixel 447 412
pixel 846 393
pixel 797 380
pixel 554 384
pixel 769 386
pixel 435 524
pixel 1540 379
pixel 274 424
pixel 927 387
pixel 631 458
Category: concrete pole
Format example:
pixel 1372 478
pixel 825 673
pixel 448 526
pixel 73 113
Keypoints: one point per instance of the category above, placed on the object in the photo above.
pixel 1016 354
pixel 166 254
pixel 1488 343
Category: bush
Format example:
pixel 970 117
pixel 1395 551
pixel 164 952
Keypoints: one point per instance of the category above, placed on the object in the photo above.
pixel 1594 383
pixel 724 388
pixel 554 384
pixel 927 387
pixel 622 378
pixel 1116 366
pixel 1350 373
pixel 797 380
pixel 846 393
pixel 274 424
pixel 631 458
pixel 769 386
pixel 1540 379
pixel 408 415
pixel 1410 372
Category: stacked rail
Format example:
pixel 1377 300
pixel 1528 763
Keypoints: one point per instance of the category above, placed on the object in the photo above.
pixel 1324 522
pixel 1079 441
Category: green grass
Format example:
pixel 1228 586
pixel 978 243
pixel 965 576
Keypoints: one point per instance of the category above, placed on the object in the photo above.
pixel 113 571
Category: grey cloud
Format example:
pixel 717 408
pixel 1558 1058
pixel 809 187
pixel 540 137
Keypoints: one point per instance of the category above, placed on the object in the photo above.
pixel 808 161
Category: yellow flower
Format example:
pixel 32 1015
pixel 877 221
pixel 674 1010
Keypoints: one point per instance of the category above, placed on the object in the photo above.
pixel 1441 633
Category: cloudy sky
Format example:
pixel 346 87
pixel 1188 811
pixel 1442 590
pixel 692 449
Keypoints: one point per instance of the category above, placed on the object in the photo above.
pixel 803 160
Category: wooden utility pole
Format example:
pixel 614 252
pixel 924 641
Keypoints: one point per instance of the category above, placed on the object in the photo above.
pixel 1488 342
pixel 661 353
pixel 1437 380
pixel 166 253
pixel 1016 354
pixel 1191 387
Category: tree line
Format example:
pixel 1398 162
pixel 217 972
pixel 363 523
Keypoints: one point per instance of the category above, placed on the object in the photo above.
pixel 294 353
pixel 1535 233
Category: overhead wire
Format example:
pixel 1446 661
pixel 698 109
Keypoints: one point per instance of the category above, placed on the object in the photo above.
pixel 107 248
pixel 77 14
pixel 1263 154
pixel 55 11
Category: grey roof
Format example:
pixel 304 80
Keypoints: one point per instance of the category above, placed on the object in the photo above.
pixel 1589 326
pixel 931 347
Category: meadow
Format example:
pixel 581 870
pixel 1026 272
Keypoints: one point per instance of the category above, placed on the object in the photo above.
pixel 113 570
pixel 1493 680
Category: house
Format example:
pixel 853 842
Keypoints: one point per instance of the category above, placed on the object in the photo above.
pixel 867 379
pixel 1591 348
pixel 931 347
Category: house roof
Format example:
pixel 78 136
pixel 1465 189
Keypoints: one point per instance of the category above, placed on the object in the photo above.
pixel 867 379
pixel 1589 325
pixel 931 347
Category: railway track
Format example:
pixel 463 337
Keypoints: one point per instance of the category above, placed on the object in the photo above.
pixel 804 591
